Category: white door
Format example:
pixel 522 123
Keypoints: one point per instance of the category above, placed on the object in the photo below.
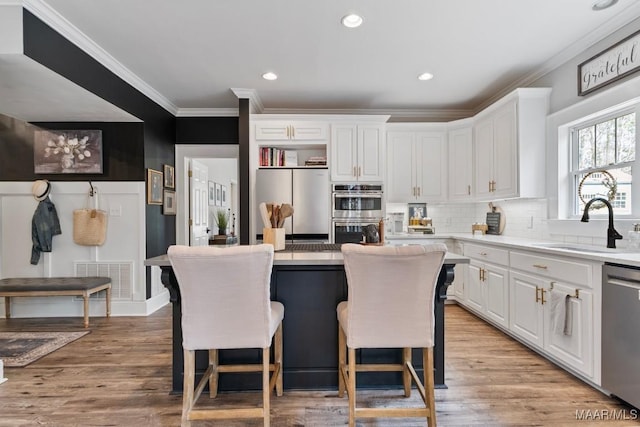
pixel 370 153
pixel 475 293
pixel 431 166
pixel 400 164
pixel 526 311
pixel 505 140
pixel 198 204
pixel 483 141
pixel 343 153
pixel 460 164
pixel 497 288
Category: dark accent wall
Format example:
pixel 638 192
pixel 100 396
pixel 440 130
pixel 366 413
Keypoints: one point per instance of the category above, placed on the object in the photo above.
pixel 207 130
pixel 157 144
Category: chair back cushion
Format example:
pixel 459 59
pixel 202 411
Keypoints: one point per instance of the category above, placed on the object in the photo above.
pixel 391 294
pixel 225 295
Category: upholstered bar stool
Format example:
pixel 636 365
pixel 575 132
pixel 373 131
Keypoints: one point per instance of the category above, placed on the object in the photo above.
pixel 226 305
pixel 390 305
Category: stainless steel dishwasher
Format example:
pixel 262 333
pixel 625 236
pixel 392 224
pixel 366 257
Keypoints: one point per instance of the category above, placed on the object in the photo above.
pixel 621 332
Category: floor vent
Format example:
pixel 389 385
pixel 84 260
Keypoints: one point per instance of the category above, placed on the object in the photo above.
pixel 121 274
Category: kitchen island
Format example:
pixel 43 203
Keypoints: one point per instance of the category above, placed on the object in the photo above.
pixel 310 285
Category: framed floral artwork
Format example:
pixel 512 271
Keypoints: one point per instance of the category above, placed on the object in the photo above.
pixel 212 193
pixel 67 151
pixel 154 187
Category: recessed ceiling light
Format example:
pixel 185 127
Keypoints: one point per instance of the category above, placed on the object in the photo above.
pixel 425 76
pixel 352 20
pixel 270 76
pixel 603 4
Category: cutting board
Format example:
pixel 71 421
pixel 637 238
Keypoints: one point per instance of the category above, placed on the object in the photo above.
pixel 496 220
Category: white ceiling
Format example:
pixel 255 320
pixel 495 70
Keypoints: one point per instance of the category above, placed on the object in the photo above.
pixel 187 55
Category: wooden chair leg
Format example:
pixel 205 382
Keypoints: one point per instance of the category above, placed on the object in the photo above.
pixel 277 353
pixel 351 392
pixel 7 307
pixel 109 301
pixel 427 356
pixel 188 384
pixel 266 391
pixel 213 377
pixel 342 359
pixel 85 297
pixel 406 374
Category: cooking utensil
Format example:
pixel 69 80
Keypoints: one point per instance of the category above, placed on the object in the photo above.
pixel 265 215
pixel 275 212
pixel 286 210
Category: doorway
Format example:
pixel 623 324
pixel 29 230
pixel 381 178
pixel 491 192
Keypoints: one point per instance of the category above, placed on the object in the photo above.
pixel 221 162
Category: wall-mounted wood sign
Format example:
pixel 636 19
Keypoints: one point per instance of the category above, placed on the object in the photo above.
pixel 614 63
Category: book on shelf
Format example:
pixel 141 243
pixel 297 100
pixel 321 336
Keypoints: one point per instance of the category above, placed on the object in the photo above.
pixel 316 161
pixel 290 158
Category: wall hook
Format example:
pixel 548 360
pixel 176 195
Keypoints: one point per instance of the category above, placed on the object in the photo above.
pixel 92 191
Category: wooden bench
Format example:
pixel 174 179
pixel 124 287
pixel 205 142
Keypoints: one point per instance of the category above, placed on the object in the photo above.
pixel 55 286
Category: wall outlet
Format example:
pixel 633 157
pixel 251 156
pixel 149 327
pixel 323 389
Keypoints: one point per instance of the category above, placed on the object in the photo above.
pixel 115 211
pixel 530 222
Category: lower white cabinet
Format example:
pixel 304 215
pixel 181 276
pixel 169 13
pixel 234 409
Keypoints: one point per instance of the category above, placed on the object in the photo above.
pixel 531 317
pixel 513 289
pixel 487 291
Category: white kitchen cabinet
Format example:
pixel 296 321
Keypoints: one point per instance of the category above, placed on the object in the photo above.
pixel 509 146
pixel 417 166
pixel 461 164
pixel 357 152
pixel 291 131
pixel 487 287
pixel 531 312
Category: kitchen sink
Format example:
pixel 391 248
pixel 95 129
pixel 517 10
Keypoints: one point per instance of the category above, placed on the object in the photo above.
pixel 580 248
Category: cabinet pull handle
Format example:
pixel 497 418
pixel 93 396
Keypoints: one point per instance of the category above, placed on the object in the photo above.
pixel 419 191
pixel 490 190
pixel 354 171
pixel 537 294
pixel 483 253
pixel 359 171
pixel 413 191
pixel 468 190
pixel 542 291
pixel 288 133
pixel 544 267
pixel 293 132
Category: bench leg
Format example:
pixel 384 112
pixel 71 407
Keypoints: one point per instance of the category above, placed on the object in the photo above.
pixel 109 301
pixel 7 307
pixel 85 296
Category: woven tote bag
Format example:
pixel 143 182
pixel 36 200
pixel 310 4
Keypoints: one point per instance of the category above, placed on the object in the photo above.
pixel 90 225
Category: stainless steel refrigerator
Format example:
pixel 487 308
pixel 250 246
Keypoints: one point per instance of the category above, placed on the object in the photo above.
pixel 307 190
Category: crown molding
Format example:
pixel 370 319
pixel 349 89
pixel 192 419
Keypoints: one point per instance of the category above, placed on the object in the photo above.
pixel 61 25
pixel 396 115
pixel 256 105
pixel 207 112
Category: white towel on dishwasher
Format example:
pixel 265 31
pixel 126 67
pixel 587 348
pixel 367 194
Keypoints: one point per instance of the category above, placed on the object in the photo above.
pixel 561 316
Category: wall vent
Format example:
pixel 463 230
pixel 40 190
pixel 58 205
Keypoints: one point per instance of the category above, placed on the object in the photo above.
pixel 121 274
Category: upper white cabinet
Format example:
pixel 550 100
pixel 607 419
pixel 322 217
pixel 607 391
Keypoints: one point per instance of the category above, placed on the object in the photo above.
pixel 357 152
pixel 416 166
pixel 291 131
pixel 461 164
pixel 509 146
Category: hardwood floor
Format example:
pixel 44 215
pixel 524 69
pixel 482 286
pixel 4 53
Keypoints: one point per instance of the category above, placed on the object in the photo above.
pixel 120 373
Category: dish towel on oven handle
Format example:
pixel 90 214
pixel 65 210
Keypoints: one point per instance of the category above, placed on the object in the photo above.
pixel 90 223
pixel 561 316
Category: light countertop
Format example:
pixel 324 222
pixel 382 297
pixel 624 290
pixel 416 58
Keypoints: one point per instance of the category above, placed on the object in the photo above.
pixel 306 258
pixel 549 247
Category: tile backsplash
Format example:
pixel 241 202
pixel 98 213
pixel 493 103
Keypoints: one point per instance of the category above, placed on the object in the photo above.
pixel 524 218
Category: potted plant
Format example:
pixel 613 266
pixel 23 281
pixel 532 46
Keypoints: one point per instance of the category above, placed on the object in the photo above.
pixel 222 221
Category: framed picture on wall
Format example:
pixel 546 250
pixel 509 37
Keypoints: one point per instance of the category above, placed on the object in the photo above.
pixel 67 151
pixel 223 199
pixel 212 193
pixel 169 177
pixel 154 187
pixel 169 206
pixel 218 194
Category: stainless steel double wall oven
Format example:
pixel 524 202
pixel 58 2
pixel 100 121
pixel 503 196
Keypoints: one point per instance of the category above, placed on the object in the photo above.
pixel 353 207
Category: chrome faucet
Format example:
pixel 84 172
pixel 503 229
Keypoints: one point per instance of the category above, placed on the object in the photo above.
pixel 612 234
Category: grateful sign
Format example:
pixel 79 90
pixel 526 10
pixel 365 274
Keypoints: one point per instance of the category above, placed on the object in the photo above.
pixel 610 65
